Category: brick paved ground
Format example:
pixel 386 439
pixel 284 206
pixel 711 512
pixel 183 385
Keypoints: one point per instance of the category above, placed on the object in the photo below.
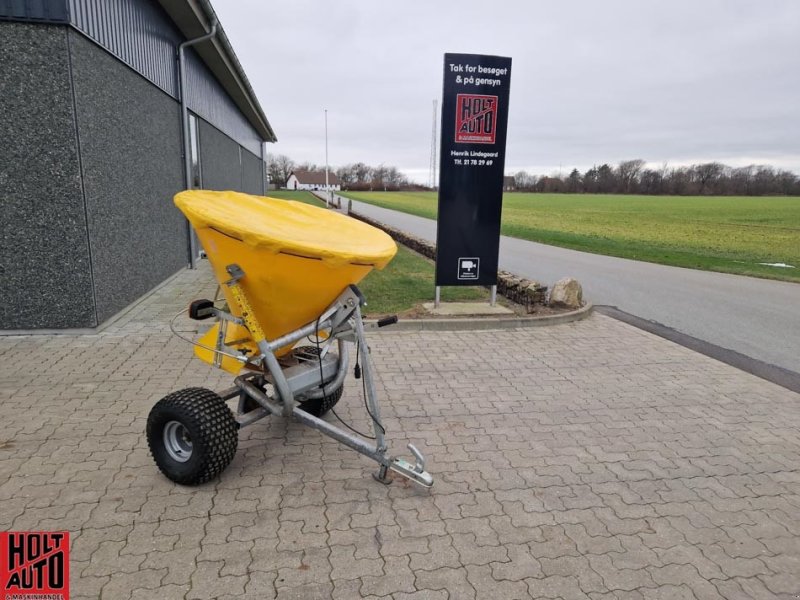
pixel 584 460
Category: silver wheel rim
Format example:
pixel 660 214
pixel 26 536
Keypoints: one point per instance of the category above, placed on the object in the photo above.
pixel 177 441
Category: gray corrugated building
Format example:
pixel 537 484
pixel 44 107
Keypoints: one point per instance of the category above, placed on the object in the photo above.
pixel 92 149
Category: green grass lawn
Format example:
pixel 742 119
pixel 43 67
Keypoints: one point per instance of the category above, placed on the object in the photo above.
pixel 717 233
pixel 405 283
pixel 300 196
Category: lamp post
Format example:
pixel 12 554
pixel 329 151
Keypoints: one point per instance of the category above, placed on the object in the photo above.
pixel 327 186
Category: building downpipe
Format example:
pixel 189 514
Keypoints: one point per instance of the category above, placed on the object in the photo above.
pixel 187 161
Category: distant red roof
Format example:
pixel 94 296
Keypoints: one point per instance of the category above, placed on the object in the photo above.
pixel 315 177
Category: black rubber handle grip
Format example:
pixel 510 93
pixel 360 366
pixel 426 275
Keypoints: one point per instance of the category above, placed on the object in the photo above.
pixel 387 321
pixel 201 309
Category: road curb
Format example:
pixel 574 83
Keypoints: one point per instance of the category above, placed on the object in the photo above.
pixel 481 323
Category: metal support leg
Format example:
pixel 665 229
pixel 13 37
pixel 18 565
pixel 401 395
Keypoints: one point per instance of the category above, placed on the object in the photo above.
pixel 382 475
pixel 366 371
pixel 437 297
pixel 493 297
pixel 369 383
pixel 282 387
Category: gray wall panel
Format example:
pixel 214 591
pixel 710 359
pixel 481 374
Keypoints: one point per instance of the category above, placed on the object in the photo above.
pixel 49 11
pixel 252 173
pixel 130 143
pixel 44 253
pixel 140 33
pixel 219 159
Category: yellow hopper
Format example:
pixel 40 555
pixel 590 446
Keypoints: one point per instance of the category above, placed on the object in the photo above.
pixel 297 257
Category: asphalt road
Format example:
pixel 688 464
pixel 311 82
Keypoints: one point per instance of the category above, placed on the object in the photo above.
pixel 755 317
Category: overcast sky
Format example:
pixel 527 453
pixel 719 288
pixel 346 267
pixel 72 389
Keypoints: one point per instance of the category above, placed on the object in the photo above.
pixel 592 81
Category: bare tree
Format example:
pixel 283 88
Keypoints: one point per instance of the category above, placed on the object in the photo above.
pixel 630 176
pixel 279 167
pixel 379 177
pixel 788 183
pixel 650 182
pixel 362 173
pixel 524 181
pixel 628 173
pixel 707 175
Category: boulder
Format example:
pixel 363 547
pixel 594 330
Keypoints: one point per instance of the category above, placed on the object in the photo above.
pixel 567 292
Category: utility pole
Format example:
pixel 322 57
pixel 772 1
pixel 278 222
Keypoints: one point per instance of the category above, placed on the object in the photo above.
pixel 432 167
pixel 327 186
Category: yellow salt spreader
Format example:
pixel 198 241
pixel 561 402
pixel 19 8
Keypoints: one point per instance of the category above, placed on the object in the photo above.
pixel 288 272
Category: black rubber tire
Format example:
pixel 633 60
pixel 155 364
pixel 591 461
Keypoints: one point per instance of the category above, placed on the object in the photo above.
pixel 320 406
pixel 212 432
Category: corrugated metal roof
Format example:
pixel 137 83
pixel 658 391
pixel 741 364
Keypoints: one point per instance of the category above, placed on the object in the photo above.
pixel 194 19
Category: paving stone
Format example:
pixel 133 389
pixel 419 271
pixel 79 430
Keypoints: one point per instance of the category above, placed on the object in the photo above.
pixel 397 577
pixel 588 460
pixel 685 575
pixel 556 586
pixel 735 567
pixel 318 591
pixel 122 585
pixel 164 592
pixel 208 583
pixel 470 552
pixel 591 544
pixel 423 595
pixel 347 566
pixel 453 581
pixel 754 589
pixel 486 586
pixel 620 579
pixel 314 569
pixel 574 566
pixel 442 554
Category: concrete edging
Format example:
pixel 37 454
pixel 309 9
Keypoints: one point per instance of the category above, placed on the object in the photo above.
pixel 102 326
pixel 473 324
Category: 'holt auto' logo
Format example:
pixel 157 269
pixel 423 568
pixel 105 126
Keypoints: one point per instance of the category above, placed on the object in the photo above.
pixel 34 565
pixel 476 119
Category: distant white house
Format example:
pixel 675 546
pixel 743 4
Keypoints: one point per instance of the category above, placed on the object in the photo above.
pixel 312 180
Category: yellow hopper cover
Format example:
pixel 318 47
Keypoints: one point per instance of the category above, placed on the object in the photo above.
pixel 288 227
pixel 297 258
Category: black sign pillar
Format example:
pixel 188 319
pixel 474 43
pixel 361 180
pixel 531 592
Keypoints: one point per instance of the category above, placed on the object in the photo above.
pixel 473 148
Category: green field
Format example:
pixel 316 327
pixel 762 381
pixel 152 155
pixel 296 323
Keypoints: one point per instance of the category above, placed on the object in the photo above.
pixel 714 233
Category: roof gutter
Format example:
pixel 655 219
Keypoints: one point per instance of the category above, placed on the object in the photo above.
pixel 187 160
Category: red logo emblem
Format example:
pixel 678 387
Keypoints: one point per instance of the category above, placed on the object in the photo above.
pixel 476 119
pixel 34 565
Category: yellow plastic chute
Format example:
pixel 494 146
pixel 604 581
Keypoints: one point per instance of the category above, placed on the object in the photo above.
pixel 297 258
